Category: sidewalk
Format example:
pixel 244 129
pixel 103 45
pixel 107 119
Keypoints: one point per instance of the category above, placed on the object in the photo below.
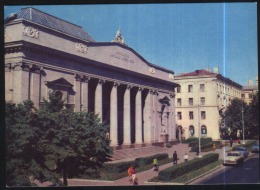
pixel 181 149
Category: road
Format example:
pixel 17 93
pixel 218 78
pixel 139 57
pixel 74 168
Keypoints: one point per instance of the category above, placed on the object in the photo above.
pixel 248 173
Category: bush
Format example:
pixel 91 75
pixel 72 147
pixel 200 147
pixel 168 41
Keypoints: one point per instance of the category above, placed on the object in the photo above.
pixel 119 167
pixel 183 168
pixel 149 159
pixel 123 166
pixel 203 147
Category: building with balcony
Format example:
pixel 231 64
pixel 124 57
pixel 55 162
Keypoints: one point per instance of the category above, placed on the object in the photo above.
pixel 201 97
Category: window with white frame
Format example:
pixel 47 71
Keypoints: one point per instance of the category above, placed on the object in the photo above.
pixel 178 101
pixel 178 89
pixel 190 101
pixel 191 115
pixel 202 100
pixel 202 87
pixel 190 88
pixel 179 115
pixel 203 115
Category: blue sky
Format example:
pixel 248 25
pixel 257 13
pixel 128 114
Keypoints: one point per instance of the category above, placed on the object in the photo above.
pixel 180 37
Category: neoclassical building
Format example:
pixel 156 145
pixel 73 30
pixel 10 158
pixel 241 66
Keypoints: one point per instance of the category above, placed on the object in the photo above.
pixel 202 95
pixel 44 53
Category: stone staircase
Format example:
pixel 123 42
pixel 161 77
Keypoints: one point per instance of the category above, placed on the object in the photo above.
pixel 132 153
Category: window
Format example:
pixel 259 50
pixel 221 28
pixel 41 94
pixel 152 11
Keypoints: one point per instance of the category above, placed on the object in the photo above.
pixel 203 130
pixel 202 101
pixel 178 89
pixel 250 96
pixel 203 115
pixel 202 87
pixel 178 101
pixel 190 88
pixel 190 101
pixel 191 115
pixel 179 115
pixel 191 129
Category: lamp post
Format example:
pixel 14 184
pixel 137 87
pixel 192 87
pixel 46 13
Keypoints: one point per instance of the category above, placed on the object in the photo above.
pixel 243 142
pixel 199 129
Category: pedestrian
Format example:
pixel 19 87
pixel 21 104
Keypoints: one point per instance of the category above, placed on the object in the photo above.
pixel 134 178
pixel 155 165
pixel 231 142
pixel 214 147
pixel 238 140
pixel 186 157
pixel 130 172
pixel 174 157
pixel 197 153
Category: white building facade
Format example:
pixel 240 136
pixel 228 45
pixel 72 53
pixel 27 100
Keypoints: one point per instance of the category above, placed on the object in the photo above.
pixel 199 100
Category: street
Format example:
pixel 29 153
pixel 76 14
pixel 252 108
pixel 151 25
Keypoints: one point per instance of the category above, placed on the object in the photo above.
pixel 248 173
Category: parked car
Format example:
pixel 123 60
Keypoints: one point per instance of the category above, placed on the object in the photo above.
pixel 233 158
pixel 242 150
pixel 255 147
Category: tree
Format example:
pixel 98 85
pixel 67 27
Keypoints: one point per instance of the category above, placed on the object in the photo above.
pixel 65 143
pixel 254 112
pixel 19 143
pixel 231 118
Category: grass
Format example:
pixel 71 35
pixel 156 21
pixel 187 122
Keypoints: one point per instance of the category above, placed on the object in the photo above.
pixel 191 175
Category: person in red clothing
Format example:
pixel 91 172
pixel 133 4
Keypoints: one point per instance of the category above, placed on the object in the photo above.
pixel 134 178
pixel 130 172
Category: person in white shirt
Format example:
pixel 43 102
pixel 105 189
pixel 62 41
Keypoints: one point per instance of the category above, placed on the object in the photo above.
pixel 186 157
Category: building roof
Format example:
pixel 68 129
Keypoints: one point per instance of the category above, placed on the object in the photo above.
pixel 205 72
pixel 196 73
pixel 252 87
pixel 44 19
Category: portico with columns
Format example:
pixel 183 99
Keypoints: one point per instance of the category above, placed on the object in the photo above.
pixel 134 97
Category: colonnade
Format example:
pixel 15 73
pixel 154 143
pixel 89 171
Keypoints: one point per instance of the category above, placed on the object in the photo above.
pixel 133 112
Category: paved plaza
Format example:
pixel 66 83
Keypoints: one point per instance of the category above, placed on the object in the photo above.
pixel 181 149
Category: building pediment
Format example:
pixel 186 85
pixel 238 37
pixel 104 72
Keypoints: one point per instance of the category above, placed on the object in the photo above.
pixel 59 82
pixel 165 101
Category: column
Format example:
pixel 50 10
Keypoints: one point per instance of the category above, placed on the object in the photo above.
pixel 113 116
pixel 147 119
pixel 172 117
pixel 155 117
pixel 35 86
pixel 138 117
pixel 127 121
pixel 84 93
pixel 8 82
pixel 21 83
pixel 151 116
pixel 77 89
pixel 98 99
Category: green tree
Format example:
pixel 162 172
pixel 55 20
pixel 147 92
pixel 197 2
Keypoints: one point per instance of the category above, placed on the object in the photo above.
pixel 231 119
pixel 65 143
pixel 20 136
pixel 254 112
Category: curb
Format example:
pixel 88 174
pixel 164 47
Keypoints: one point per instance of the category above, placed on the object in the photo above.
pixel 206 173
pixel 155 183
pixel 91 180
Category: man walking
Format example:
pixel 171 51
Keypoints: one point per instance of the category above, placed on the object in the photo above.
pixel 174 157
pixel 186 157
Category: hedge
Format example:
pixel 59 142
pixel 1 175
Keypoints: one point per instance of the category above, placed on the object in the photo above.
pixel 196 139
pixel 185 167
pixel 123 166
pixel 203 146
pixel 149 159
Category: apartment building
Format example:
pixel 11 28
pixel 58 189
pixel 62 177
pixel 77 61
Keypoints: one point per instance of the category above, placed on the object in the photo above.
pixel 249 90
pixel 201 97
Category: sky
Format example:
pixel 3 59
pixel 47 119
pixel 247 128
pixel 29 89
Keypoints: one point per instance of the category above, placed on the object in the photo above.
pixel 180 37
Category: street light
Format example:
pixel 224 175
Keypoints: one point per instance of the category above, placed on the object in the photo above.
pixel 243 142
pixel 199 130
